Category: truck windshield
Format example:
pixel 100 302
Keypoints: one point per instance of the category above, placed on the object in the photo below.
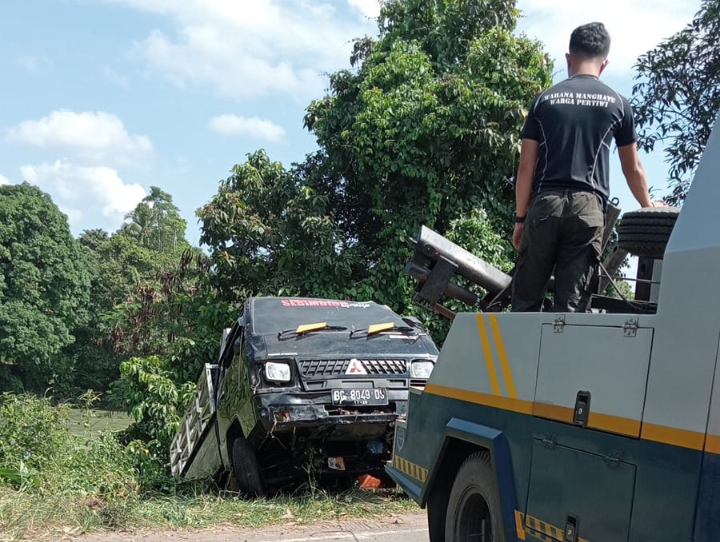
pixel 273 315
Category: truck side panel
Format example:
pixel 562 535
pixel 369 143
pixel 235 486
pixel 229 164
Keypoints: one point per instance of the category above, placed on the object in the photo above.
pixel 707 523
pixel 489 376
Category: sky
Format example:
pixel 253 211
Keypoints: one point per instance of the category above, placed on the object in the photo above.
pixel 105 98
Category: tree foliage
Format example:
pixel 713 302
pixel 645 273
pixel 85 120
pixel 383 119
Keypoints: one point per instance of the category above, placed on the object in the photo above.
pixel 422 128
pixel 155 223
pixel 272 234
pixel 44 285
pixel 677 97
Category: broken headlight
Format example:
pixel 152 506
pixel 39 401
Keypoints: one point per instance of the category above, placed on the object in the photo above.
pixel 277 372
pixel 421 369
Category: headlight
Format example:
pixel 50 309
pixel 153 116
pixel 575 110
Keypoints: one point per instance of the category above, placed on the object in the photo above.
pixel 421 369
pixel 277 372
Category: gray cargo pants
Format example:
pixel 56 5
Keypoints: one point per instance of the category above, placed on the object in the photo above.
pixel 563 231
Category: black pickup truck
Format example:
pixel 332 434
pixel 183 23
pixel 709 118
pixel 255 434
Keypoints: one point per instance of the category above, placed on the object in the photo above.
pixel 302 387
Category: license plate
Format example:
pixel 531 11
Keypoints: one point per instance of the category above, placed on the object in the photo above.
pixel 361 396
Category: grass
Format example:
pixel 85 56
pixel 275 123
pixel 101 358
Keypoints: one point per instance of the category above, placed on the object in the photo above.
pixel 30 516
pixel 87 423
pixel 54 484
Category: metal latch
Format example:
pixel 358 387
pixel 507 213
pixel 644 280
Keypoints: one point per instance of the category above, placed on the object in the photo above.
pixel 630 328
pixel 571 529
pixel 582 408
pixel 549 442
pixel 559 324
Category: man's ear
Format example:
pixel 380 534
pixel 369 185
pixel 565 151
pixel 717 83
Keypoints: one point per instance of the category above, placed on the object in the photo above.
pixel 604 65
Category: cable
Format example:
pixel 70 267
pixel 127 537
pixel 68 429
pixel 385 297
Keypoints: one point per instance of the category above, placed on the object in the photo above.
pixel 617 289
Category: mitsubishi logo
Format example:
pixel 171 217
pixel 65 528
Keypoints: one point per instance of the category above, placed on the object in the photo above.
pixel 355 368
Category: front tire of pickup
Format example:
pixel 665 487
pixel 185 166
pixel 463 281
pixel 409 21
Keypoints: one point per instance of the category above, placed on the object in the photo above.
pixel 246 469
pixel 474 513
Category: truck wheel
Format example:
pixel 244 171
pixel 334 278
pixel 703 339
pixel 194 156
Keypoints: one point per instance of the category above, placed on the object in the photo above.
pixel 246 469
pixel 646 232
pixel 473 513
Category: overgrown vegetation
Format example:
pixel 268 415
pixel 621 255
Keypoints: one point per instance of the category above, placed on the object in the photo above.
pixel 52 482
pixel 422 128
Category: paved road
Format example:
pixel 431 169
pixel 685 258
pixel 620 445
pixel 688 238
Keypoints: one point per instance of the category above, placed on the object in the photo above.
pixel 400 528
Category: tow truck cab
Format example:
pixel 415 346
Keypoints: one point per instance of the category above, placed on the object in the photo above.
pixel 595 427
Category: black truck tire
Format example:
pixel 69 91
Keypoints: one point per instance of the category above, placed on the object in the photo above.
pixel 474 504
pixel 246 469
pixel 645 232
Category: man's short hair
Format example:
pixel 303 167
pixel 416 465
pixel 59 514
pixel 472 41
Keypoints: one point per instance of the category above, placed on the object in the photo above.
pixel 590 41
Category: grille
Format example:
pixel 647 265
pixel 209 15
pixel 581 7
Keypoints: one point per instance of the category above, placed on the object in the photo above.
pixel 332 367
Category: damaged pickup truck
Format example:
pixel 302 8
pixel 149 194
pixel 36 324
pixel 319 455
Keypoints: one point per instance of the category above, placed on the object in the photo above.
pixel 302 387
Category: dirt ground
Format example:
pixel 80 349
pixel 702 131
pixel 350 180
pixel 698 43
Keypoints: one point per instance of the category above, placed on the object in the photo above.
pixel 394 528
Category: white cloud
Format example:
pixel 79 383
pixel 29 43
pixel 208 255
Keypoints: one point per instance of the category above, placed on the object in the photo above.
pixel 248 49
pixel 369 8
pixel 3 180
pixel 635 26
pixel 114 77
pixel 33 64
pixel 95 137
pixel 92 197
pixel 231 125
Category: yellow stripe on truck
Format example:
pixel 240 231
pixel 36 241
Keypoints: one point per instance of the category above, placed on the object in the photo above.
pixel 657 433
pixel 487 353
pixel 496 401
pixel 502 355
pixel 673 436
pixel 603 422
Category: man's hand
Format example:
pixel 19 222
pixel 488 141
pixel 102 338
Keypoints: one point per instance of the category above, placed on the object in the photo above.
pixel 658 204
pixel 517 234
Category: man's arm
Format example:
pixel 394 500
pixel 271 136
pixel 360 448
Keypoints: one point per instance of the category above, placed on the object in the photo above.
pixel 523 185
pixel 635 174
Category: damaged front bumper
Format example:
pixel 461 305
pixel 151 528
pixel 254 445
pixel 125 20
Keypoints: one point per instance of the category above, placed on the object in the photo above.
pixel 289 411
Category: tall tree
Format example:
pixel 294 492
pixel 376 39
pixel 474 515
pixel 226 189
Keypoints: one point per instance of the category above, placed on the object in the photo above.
pixel 44 286
pixel 270 234
pixel 155 223
pixel 424 128
pixel 677 96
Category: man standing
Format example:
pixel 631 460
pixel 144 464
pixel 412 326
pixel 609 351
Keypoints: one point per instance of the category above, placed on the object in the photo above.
pixel 563 179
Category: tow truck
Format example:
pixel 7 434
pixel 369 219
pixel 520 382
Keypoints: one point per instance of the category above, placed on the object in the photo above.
pixel 596 426
pixel 302 386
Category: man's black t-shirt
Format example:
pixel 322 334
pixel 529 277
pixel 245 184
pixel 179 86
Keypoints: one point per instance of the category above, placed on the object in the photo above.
pixel 574 123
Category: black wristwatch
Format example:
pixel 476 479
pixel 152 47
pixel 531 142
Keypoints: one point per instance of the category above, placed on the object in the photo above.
pixel 519 219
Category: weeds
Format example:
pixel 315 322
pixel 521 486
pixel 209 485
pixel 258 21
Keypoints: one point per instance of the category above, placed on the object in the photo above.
pixel 53 483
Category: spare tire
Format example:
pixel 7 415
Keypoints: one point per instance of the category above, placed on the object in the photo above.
pixel 646 232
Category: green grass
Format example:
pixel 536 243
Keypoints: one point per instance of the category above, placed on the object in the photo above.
pixel 53 484
pixel 30 516
pixel 83 423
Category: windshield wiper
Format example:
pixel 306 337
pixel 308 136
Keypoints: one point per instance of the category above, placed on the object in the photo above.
pixel 389 326
pixel 309 328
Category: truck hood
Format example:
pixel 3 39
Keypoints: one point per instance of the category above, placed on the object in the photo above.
pixel 329 345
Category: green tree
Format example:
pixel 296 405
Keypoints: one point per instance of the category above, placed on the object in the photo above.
pixel 121 265
pixel 44 286
pixel 155 223
pixel 271 234
pixel 677 96
pixel 424 129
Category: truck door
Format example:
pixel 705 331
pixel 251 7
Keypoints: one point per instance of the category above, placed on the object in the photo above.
pixel 589 396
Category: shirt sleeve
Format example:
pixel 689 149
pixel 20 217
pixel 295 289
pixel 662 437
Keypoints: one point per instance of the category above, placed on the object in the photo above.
pixel 531 129
pixel 625 134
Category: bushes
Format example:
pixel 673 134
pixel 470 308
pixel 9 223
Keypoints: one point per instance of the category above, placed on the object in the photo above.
pixel 36 443
pixel 31 431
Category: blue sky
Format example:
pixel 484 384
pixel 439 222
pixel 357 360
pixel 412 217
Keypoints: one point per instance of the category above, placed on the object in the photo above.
pixel 104 98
